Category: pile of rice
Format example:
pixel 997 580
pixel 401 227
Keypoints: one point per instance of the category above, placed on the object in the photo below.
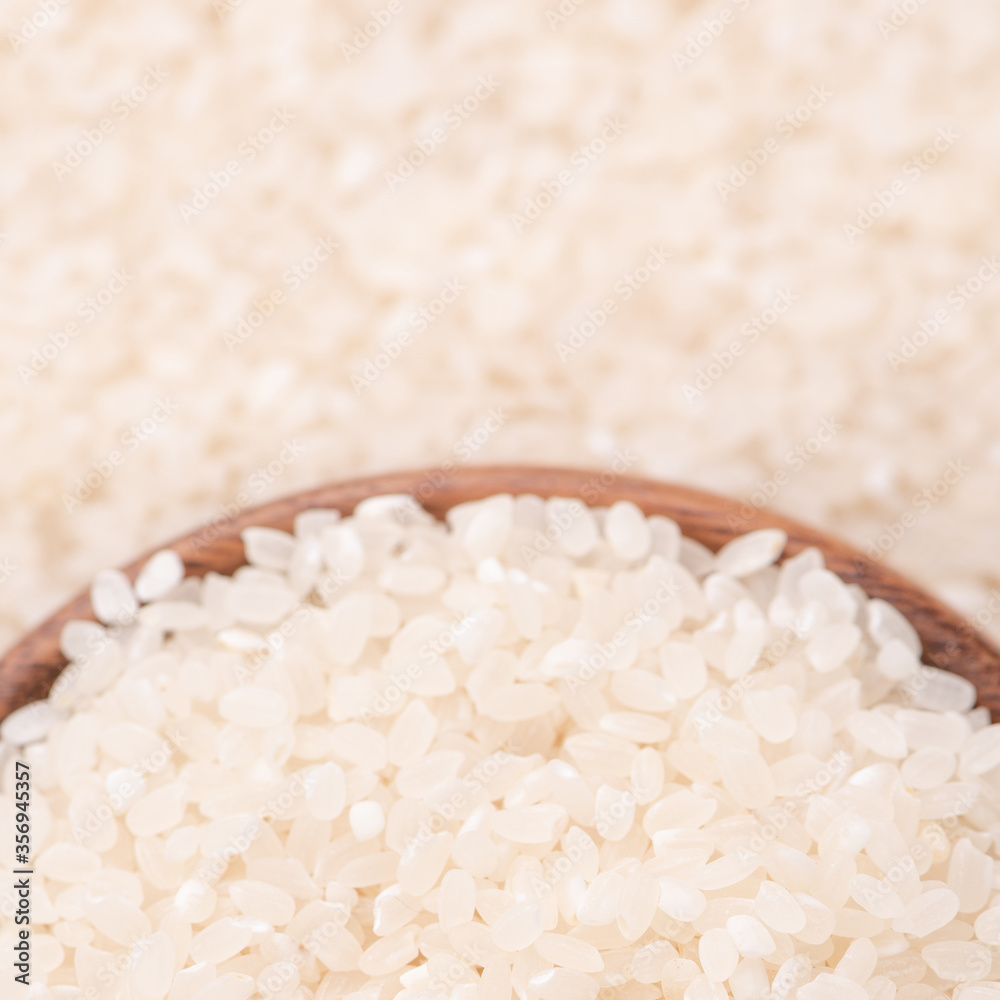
pixel 544 750
pixel 217 71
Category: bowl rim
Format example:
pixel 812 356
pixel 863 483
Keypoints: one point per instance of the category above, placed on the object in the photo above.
pixel 29 668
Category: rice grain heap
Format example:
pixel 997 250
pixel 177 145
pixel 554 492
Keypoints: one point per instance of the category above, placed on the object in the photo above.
pixel 541 750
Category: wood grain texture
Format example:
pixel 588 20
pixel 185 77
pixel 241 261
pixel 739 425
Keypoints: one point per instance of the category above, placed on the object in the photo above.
pixel 29 668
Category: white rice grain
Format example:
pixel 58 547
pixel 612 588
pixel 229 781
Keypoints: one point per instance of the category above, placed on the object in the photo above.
pixel 569 952
pixel 112 598
pixel 162 572
pixel 462 758
pixel 627 531
pixel 751 552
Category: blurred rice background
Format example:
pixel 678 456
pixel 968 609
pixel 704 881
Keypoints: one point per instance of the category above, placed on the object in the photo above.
pixel 167 165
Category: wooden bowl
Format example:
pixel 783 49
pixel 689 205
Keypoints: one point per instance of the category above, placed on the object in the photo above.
pixel 30 667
